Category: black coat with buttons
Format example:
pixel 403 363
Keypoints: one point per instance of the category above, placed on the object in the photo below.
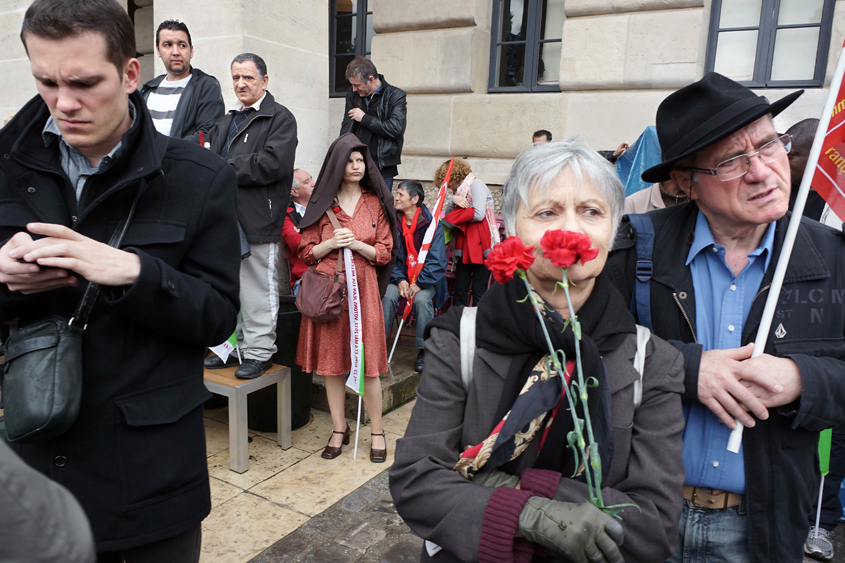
pixel 808 327
pixel 135 457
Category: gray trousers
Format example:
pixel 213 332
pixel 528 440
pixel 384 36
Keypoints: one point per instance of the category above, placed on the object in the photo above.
pixel 259 302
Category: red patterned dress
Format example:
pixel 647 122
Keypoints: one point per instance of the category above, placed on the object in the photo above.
pixel 324 347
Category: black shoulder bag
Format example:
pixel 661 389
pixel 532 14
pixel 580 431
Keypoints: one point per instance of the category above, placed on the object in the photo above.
pixel 42 370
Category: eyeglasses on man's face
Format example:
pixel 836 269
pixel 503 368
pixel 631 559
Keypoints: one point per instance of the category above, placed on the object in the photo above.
pixel 738 166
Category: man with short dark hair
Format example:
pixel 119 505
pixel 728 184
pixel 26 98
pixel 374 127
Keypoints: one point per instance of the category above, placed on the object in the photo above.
pixel 541 136
pixel 76 157
pixel 375 112
pixel 185 101
pixel 429 290
pixel 258 140
pixel 711 270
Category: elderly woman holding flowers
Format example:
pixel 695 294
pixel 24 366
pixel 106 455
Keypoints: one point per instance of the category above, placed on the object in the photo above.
pixel 559 438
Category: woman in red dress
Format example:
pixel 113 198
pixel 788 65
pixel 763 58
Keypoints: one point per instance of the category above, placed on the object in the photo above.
pixel 350 184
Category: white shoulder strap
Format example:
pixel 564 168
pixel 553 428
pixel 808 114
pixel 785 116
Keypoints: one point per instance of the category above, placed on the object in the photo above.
pixel 467 339
pixel 643 335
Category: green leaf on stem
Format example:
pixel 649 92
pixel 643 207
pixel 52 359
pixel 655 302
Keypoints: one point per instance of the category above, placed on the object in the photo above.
pixel 592 382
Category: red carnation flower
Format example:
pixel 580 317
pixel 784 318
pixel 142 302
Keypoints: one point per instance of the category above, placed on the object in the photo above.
pixel 507 257
pixel 564 248
pixel 336 209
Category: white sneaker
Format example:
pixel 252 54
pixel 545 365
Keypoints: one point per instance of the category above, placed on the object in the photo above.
pixel 818 544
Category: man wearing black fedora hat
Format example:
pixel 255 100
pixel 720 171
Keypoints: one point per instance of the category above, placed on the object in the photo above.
pixel 712 263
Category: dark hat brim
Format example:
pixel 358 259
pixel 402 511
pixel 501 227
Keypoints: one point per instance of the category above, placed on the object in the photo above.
pixel 661 172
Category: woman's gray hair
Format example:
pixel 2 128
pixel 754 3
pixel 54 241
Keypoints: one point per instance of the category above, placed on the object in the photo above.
pixel 539 166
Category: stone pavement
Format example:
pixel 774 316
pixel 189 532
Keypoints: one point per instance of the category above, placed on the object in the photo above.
pixel 361 528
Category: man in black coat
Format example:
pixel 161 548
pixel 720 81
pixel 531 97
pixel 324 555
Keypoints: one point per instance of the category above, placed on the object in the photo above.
pixel 185 101
pixel 258 140
pixel 376 113
pixel 73 161
pixel 713 263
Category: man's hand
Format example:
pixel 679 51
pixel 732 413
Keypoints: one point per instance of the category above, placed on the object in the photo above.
pixel 27 277
pixel 66 249
pixel 413 290
pixel 783 370
pixel 356 114
pixel 620 150
pixel 403 289
pixel 722 380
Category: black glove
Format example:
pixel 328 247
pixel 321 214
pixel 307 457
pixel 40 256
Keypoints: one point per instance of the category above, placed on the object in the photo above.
pixel 581 532
pixel 495 478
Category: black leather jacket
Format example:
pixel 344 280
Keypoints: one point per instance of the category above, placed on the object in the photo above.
pixel 388 127
pixel 200 105
pixel 779 453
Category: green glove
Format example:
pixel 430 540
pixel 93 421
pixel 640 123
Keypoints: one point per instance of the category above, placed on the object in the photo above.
pixel 495 478
pixel 581 532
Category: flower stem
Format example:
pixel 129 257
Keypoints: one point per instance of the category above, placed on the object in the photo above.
pixel 595 462
pixel 593 491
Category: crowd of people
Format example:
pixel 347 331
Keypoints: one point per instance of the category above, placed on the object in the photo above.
pixel 660 309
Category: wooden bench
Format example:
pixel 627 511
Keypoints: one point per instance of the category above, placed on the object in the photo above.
pixel 224 382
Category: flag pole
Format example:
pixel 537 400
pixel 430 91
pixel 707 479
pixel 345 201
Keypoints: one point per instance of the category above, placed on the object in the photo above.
pixel 792 230
pixel 819 509
pixel 395 340
pixel 357 429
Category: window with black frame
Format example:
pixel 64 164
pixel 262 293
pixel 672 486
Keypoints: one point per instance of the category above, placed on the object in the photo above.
pixel 771 43
pixel 350 35
pixel 526 35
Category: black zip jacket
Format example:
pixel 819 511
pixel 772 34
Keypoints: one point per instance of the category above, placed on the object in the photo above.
pixel 199 107
pixel 780 453
pixel 388 127
pixel 262 154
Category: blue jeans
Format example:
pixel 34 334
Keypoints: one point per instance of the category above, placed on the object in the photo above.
pixel 423 310
pixel 389 181
pixel 711 536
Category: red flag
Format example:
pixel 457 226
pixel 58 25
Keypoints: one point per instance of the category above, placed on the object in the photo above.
pixel 414 272
pixel 829 179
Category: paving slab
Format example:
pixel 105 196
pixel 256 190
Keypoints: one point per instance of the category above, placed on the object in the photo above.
pixel 371 532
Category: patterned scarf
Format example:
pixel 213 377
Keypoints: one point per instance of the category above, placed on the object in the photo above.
pixel 533 392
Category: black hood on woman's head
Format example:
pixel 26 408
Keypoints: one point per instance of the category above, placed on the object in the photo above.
pixel 331 175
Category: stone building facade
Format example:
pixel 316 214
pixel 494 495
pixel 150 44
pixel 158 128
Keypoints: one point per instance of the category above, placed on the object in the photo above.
pixel 616 60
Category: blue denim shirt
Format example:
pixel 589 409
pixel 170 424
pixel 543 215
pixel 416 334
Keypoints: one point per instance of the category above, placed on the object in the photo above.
pixel 722 303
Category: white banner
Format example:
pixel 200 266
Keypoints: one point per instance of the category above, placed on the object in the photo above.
pixel 356 343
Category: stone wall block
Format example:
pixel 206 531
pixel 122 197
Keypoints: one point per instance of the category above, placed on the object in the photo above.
pixel 429 125
pixel 297 23
pixel 605 119
pixel 147 63
pixel 662 50
pixel 210 18
pixel 501 125
pixel 433 62
pixel 391 16
pixel 309 90
pixel 594 52
pixel 145 31
pixel 575 8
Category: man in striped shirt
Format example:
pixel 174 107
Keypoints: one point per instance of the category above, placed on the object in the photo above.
pixel 184 101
